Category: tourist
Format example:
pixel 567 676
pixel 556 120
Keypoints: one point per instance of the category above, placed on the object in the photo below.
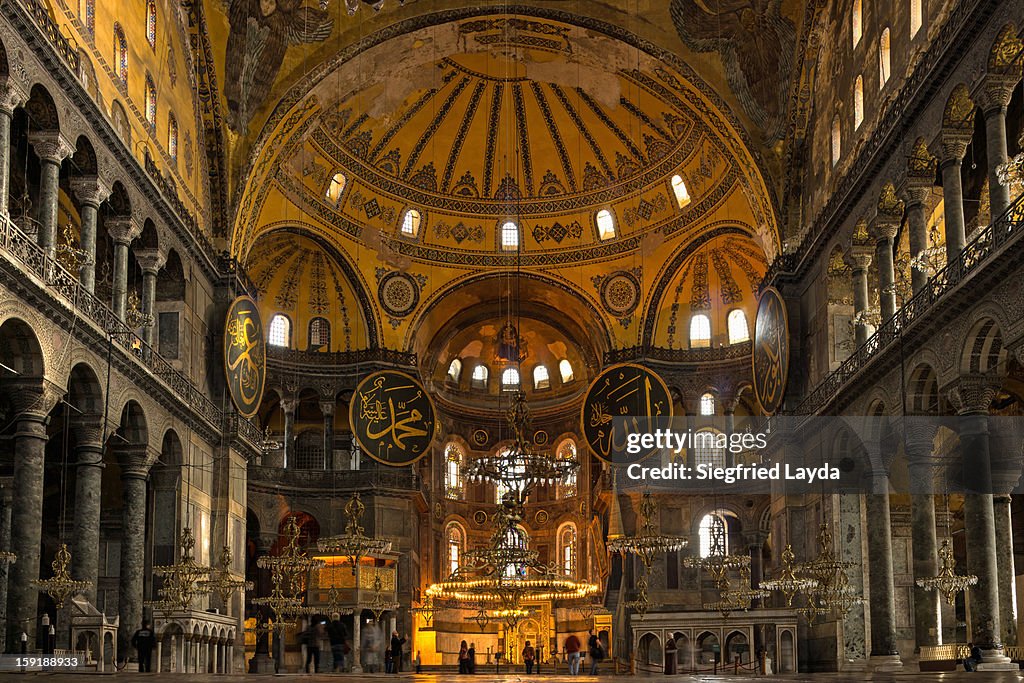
pixel 528 657
pixel 572 653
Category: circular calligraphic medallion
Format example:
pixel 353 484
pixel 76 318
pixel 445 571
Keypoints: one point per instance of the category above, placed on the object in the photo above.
pixel 245 355
pixel 620 293
pixel 398 294
pixel 480 437
pixel 770 357
pixel 625 399
pixel 392 418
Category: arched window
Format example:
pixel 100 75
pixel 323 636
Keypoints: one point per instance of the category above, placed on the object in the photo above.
pixel 150 100
pixel 857 21
pixel 280 331
pixel 707 404
pixel 516 537
pixel 335 188
pixel 172 136
pixel 411 223
pixel 567 451
pixel 509 236
pixel 837 140
pixel 567 549
pixel 679 190
pixel 121 54
pixel 319 334
pixel 713 534
pixel 541 380
pixel 605 224
pixel 884 65
pixel 510 379
pixel 516 467
pixel 709 447
pixel 565 370
pixel 454 370
pixel 479 379
pixel 456 538
pixel 309 450
pixel 916 17
pixel 700 331
pixel 738 330
pixel 858 102
pixel 88 17
pixel 151 23
pixel 453 485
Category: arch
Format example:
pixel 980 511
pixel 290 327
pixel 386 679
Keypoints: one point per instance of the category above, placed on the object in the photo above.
pixel 84 158
pixel 541 378
pixel 119 201
pixel 150 104
pixel 455 545
pixel 309 450
pixel 151 23
pixel 566 450
pixel 309 528
pixel 41 110
pixel 916 17
pixel 734 639
pixel 714 530
pixel 455 370
pixel 568 548
pixel 120 54
pixel 148 238
pixel 837 140
pixel 684 653
pixel 565 371
pixel 319 334
pixel 509 236
pixel 739 330
pixel 707 404
pixel 679 190
pixel 5 69
pixel 85 393
pixel 700 331
pixel 858 102
pixel 279 331
pixel 170 281
pixel 454 459
pixel 884 59
pixel 958 113
pixel 983 349
pixel 21 352
pixel 648 650
pixel 411 223
pixel 119 118
pixel 923 390
pixel 510 380
pixel 172 136
pixel 787 654
pixel 605 224
pixel 335 188
pixel 857 21
pixel 133 429
pixel 708 648
pixel 479 378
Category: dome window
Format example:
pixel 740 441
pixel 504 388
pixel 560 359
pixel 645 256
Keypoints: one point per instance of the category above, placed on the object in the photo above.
pixel 411 223
pixel 738 329
pixel 605 224
pixel 509 236
pixel 565 370
pixel 707 405
pixel 479 379
pixel 335 189
pixel 679 190
pixel 454 370
pixel 510 379
pixel 541 379
pixel 700 331
pixel 280 331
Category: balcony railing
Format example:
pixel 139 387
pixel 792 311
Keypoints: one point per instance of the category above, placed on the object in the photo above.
pixel 709 355
pixel 340 359
pixel 62 45
pixel 976 255
pixel 401 479
pixel 21 249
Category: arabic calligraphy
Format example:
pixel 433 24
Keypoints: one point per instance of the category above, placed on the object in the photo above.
pixel 770 351
pixel 244 355
pixel 624 399
pixel 392 418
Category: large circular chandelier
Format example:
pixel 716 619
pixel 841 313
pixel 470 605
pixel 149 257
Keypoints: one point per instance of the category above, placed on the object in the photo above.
pixel 61 586
pixel 833 592
pixel 787 582
pixel 947 581
pixel 354 543
pixel 183 579
pixel 289 571
pixel 648 542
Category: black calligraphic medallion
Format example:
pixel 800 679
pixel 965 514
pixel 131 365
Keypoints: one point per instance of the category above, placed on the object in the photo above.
pixel 245 355
pixel 770 356
pixel 624 399
pixel 392 418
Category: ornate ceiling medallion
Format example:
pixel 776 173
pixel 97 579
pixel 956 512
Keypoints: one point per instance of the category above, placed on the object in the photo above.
pixel 620 293
pixel 398 294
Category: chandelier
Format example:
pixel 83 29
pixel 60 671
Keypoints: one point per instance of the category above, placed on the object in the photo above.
pixel 717 563
pixel 354 543
pixel 647 543
pixel 642 602
pixel 787 582
pixel 948 582
pixel 268 443
pixel 182 579
pixel 7 557
pixel 288 573
pixel 73 256
pixel 833 592
pixel 222 581
pixel 134 315
pixel 379 604
pixel 732 599
pixel 60 586
pixel 1011 173
pixel 425 610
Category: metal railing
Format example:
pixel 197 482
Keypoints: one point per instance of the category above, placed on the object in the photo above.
pixel 62 45
pixel 991 240
pixel 402 479
pixel 22 250
pixel 328 359
pixel 709 355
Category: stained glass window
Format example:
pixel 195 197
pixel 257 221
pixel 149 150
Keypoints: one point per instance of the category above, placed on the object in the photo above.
pixel 150 100
pixel 151 23
pixel 121 54
pixel 90 17
pixel 172 137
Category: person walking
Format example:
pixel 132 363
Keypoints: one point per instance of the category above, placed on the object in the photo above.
pixel 312 642
pixel 596 651
pixel 471 654
pixel 463 658
pixel 396 652
pixel 337 634
pixel 528 656
pixel 144 640
pixel 572 653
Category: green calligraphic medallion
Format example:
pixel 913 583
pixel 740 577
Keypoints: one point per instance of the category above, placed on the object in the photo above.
pixel 392 418
pixel 770 356
pixel 245 355
pixel 624 399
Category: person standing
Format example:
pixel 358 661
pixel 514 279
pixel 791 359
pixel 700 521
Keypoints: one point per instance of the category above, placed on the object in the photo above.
pixel 596 651
pixel 418 663
pixel 572 653
pixel 312 642
pixel 337 634
pixel 528 656
pixel 463 658
pixel 471 655
pixel 396 652
pixel 144 640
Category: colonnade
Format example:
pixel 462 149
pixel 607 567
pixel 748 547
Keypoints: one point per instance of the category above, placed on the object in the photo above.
pixel 196 654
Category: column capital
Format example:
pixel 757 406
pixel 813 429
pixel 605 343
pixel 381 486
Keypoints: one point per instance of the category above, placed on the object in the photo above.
pixel 993 92
pixel 32 400
pixel 90 190
pixel 88 430
pixel 729 404
pixel 11 97
pixel 51 146
pixel 858 258
pixel 916 191
pixel 973 394
pixel 288 405
pixel 951 145
pixel 884 229
pixel 150 260
pixel 134 460
pixel 123 229
pixel 327 407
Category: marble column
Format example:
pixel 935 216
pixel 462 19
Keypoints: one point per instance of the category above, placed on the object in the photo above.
pixel 52 149
pixel 10 99
pixel 881 583
pixel 151 261
pixel 1005 568
pixel 993 96
pixel 915 197
pixel 884 231
pixel 288 405
pixel 357 662
pixel 859 261
pixel 954 146
pixel 122 229
pixel 91 192
pixel 32 406
pixel 133 548
pixel 919 435
pixel 6 498
pixel 971 396
pixel 327 408
pixel 85 552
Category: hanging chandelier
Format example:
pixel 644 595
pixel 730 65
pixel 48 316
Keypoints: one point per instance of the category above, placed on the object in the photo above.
pixel 735 599
pixel 69 251
pixel 1011 173
pixel 134 316
pixel 181 579
pixel 60 586
pixel 947 581
pixel 354 543
pixel 833 592
pixel 379 604
pixel 718 563
pixel 642 602
pixel 289 571
pixel 648 542
pixel 426 609
pixel 222 582
pixel 787 582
